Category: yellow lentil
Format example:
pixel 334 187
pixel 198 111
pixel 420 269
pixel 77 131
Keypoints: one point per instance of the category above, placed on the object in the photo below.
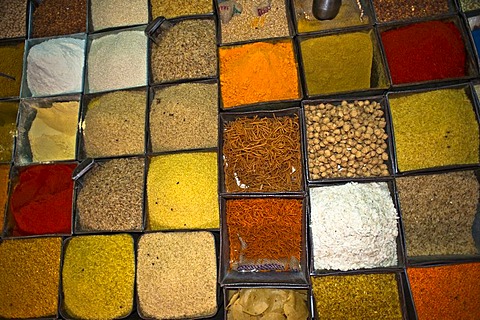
pixel 182 191
pixel 8 120
pixel 11 64
pixel 434 128
pixel 98 276
pixel 29 278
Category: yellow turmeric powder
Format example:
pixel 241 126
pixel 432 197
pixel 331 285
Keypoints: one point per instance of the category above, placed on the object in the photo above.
pixel 258 72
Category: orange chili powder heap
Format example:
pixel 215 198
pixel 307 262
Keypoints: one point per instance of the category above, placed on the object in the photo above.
pixel 264 229
pixel 258 72
pixel 446 292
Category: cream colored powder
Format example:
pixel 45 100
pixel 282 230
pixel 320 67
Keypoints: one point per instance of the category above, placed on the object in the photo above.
pixel 53 132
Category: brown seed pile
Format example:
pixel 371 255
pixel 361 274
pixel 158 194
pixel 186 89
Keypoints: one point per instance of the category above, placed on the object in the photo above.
pixel 346 140
pixel 111 196
pixel 438 212
pixel 186 51
pixel 58 17
pixel 13 16
pixel 172 9
pixel 184 116
pixel 390 10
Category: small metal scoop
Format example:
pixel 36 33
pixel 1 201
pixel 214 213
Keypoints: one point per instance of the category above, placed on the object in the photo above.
pixel 326 9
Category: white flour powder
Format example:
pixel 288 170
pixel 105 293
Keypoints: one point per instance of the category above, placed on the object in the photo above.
pixel 56 66
pixel 353 226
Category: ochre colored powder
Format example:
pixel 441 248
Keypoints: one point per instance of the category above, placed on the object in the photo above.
pixel 8 120
pixel 258 72
pixel 29 278
pixel 11 64
pixel 4 172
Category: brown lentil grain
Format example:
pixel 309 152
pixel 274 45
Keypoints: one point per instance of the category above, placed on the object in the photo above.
pixel 438 212
pixel 390 10
pixel 29 283
pixel 176 275
pixel 59 17
pixel 184 116
pixel 11 64
pixel 13 18
pixel 111 196
pixel 185 51
pixel 172 9
pixel 361 296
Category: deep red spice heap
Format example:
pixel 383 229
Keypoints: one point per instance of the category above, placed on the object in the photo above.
pixel 41 201
pixel 425 51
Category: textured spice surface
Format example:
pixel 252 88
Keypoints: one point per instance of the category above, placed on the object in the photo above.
pixel 8 123
pixel 446 292
pixel 258 72
pixel 257 20
pixel 184 116
pixel 4 178
pixel 11 64
pixel 172 9
pixel 264 232
pixel 58 17
pixel 98 276
pixel 469 5
pixel 115 124
pixel 262 154
pixel 357 297
pixel 438 212
pixel 13 18
pixel 346 140
pixel 182 191
pixel 185 51
pixel 30 277
pixel 434 128
pixel 337 63
pixel 111 196
pixel 390 10
pixel 116 13
pixel 176 275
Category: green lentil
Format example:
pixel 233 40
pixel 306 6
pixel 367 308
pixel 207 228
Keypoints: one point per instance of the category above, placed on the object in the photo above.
pixel 361 296
pixel 434 128
pixel 11 64
pixel 98 276
pixel 8 120
pixel 30 277
pixel 469 5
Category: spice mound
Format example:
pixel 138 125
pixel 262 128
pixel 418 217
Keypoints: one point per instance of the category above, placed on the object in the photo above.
pixel 262 154
pixel 117 13
pixel 354 226
pixel 8 123
pixel 30 277
pixel 55 66
pixel 58 17
pixel 346 140
pixel 172 9
pixel 11 65
pixel 98 277
pixel 111 196
pixel 256 303
pixel 258 72
pixel 41 200
pixel 391 10
pixel 177 275
pixel 425 51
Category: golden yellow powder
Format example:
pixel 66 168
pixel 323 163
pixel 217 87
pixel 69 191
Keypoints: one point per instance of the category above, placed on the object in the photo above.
pixel 4 172
pixel 434 128
pixel 98 276
pixel 11 64
pixel 29 280
pixel 182 191
pixel 8 120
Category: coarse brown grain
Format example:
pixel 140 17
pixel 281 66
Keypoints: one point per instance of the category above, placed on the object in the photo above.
pixel 115 124
pixel 111 196
pixel 346 140
pixel 184 116
pixel 172 9
pixel 185 51
pixel 391 10
pixel 438 212
pixel 59 17
pixel 176 275
pixel 13 18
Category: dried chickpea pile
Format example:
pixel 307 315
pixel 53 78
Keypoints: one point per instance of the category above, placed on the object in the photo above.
pixel 347 140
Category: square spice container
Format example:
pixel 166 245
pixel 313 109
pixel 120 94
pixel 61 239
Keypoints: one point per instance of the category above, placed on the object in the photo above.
pixel 352 13
pixel 370 204
pixel 109 195
pixel 40 201
pixel 361 295
pixel 113 124
pixel 110 15
pixel 437 114
pixel 441 216
pixel 59 66
pixel 473 20
pixel 262 157
pixel 255 75
pixel 343 63
pixel 47 130
pixel 8 129
pixel 348 134
pixel 423 53
pixel 270 270
pixel 11 67
pixel 257 300
pixel 14 20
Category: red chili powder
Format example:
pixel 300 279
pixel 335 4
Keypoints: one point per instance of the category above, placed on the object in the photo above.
pixel 447 292
pixel 425 51
pixel 41 200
